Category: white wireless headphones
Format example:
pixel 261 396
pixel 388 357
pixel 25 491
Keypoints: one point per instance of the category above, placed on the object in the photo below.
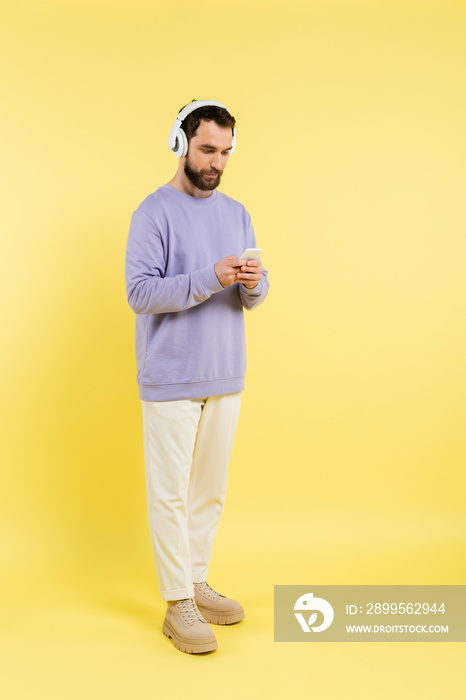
pixel 178 141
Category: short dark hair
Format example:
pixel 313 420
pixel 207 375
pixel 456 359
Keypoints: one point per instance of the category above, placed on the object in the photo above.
pixel 219 115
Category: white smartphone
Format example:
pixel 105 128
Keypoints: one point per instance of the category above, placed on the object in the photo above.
pixel 251 254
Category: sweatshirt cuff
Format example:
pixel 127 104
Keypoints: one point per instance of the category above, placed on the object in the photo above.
pixel 255 290
pixel 210 280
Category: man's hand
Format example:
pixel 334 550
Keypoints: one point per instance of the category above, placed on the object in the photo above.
pixel 226 270
pixel 230 270
pixel 250 273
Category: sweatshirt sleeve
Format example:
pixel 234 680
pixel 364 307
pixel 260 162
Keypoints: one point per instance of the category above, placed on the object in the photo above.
pixel 250 298
pixel 148 291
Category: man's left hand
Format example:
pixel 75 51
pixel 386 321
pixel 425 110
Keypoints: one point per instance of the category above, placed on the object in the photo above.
pixel 250 273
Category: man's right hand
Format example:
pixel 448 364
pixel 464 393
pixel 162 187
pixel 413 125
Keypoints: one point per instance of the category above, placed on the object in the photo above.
pixel 226 270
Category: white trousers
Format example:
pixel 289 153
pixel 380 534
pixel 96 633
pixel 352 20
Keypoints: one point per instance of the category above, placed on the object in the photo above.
pixel 187 447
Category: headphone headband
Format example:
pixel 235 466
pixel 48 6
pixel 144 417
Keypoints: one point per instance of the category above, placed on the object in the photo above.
pixel 177 141
pixel 197 104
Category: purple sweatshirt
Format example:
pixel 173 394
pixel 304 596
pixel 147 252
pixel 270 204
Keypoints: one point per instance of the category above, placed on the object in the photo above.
pixel 190 340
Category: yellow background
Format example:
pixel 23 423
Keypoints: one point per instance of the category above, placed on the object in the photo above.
pixel 348 466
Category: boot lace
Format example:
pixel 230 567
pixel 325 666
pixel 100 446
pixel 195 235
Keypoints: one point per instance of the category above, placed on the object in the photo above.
pixel 189 611
pixel 207 590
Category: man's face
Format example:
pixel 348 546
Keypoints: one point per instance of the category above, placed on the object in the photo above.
pixel 207 156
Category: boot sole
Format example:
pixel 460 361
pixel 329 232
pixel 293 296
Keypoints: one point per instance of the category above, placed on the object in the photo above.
pixel 223 618
pixel 189 646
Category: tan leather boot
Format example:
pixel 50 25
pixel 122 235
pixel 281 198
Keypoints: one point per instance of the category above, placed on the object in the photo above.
pixel 185 625
pixel 215 608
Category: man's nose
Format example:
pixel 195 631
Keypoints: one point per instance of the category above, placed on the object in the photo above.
pixel 216 161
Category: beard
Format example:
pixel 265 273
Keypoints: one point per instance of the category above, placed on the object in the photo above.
pixel 199 179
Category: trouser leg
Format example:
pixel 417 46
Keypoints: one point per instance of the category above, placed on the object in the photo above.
pixel 208 482
pixel 170 429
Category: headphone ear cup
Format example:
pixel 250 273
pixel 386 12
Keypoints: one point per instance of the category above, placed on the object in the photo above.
pixel 177 141
pixel 233 142
pixel 182 149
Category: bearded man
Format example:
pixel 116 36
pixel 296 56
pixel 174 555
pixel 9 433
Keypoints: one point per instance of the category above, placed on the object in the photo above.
pixel 188 288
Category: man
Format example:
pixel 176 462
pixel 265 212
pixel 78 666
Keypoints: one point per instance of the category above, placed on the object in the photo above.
pixel 188 289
